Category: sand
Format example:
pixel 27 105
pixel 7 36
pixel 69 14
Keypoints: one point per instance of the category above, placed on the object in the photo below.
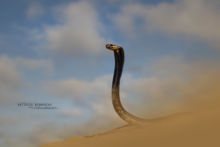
pixel 200 128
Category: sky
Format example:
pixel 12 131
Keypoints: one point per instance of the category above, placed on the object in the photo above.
pixel 54 52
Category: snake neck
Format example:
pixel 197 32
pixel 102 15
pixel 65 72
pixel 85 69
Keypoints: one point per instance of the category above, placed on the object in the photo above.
pixel 119 63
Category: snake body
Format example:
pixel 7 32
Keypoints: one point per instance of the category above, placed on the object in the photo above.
pixel 120 110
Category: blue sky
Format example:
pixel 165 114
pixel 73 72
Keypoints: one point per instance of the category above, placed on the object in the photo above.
pixel 54 52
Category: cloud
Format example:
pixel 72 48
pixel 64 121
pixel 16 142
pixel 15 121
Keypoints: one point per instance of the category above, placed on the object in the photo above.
pixel 9 75
pixel 35 10
pixel 198 19
pixel 7 121
pixel 71 112
pixel 45 65
pixel 6 140
pixel 78 30
pixel 12 83
pixel 78 89
pixel 93 95
pixel 10 79
pixel 91 98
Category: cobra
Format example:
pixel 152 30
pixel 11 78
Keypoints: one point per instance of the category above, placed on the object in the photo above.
pixel 120 110
pixel 119 63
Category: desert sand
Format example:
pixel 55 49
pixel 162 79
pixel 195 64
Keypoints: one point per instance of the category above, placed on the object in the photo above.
pixel 200 128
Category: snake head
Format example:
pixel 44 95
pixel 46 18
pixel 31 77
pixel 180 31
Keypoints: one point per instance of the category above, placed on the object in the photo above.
pixel 112 47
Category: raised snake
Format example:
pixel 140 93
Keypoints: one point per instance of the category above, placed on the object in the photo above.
pixel 120 110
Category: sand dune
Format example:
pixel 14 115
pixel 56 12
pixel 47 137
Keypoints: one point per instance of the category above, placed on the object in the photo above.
pixel 196 129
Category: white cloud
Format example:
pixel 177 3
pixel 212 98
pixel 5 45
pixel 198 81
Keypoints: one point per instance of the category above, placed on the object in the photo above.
pixel 199 19
pixel 94 95
pixel 78 89
pixel 45 65
pixel 71 112
pixel 10 79
pixel 11 75
pixel 34 11
pixel 78 30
